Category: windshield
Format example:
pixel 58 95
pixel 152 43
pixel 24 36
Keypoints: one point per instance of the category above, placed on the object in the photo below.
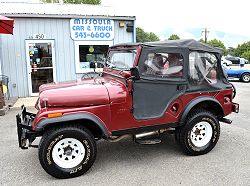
pixel 122 59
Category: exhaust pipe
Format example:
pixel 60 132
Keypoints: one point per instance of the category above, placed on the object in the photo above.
pixel 138 136
pixel 116 139
pixel 146 134
pixel 225 120
pixel 154 133
pixel 148 138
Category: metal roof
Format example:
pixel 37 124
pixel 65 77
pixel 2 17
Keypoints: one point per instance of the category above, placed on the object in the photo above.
pixel 60 10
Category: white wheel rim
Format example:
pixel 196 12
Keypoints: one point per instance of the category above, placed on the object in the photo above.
pixel 68 153
pixel 201 134
pixel 246 77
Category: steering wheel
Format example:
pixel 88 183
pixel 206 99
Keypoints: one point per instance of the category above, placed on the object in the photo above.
pixel 90 75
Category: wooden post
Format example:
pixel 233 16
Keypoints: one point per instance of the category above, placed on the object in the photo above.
pixel 2 103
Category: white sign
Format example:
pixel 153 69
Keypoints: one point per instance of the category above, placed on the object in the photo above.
pixel 92 29
pixel 39 36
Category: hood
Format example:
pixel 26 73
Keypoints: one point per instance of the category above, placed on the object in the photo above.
pixel 74 93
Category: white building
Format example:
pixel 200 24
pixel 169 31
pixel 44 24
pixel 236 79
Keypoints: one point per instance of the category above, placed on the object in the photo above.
pixel 56 42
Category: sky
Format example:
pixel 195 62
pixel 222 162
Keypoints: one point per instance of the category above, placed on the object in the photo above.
pixel 226 20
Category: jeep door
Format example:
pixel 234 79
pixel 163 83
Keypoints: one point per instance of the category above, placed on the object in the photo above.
pixel 163 78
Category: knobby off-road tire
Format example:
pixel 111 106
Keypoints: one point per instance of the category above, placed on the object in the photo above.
pixel 67 151
pixel 234 91
pixel 200 133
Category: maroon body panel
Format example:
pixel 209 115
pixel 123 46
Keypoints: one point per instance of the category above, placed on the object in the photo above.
pixel 123 119
pixel 102 112
pixel 75 94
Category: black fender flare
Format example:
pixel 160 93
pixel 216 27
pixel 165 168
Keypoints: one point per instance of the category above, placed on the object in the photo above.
pixel 72 117
pixel 194 103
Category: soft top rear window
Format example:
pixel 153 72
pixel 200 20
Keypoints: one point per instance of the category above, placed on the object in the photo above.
pixel 202 66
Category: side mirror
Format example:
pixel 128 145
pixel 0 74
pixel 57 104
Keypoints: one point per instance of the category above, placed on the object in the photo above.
pixel 92 65
pixel 135 73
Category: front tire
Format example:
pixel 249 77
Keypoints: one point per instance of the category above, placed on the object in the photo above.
pixel 200 133
pixel 67 152
pixel 245 77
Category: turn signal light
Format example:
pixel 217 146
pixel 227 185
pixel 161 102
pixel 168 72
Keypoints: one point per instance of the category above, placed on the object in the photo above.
pixel 54 115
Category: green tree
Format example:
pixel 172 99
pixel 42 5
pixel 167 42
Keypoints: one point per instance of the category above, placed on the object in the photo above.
pixel 246 55
pixel 202 40
pixel 142 36
pixel 50 1
pixel 94 2
pixel 153 37
pixel 240 49
pixel 174 37
pixel 231 51
pixel 218 43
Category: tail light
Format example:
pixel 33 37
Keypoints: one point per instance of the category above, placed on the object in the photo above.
pixel 236 107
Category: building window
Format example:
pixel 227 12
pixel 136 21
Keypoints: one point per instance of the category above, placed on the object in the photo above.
pixel 90 52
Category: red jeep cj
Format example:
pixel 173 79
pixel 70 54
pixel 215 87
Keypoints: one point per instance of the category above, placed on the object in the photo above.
pixel 145 90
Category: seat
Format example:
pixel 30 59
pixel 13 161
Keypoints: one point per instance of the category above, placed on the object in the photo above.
pixel 5 84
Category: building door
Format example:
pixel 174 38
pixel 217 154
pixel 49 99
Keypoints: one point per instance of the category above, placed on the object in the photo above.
pixel 40 64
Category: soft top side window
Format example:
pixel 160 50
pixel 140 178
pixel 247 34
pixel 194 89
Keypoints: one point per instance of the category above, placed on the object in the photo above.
pixel 163 65
pixel 202 66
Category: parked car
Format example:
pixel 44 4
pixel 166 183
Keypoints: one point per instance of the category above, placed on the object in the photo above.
pixel 226 62
pixel 234 60
pixel 242 73
pixel 146 90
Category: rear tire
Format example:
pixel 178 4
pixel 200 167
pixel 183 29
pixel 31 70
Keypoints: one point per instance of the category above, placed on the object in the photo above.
pixel 67 152
pixel 234 91
pixel 245 77
pixel 200 133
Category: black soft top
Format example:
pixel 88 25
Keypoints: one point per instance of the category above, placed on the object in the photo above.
pixel 191 44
